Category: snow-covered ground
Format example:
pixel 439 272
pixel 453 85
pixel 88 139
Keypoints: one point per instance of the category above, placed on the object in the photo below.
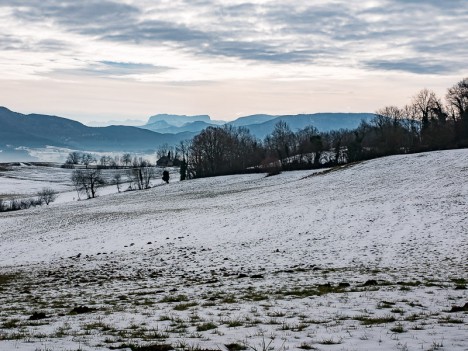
pixel 364 257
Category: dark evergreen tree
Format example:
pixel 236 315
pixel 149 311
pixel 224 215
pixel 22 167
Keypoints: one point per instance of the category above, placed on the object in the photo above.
pixel 165 176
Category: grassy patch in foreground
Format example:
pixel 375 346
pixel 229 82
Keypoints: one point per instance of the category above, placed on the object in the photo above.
pixel 6 279
pixel 367 320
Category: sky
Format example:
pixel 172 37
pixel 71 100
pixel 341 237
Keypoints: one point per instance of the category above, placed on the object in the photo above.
pixel 98 60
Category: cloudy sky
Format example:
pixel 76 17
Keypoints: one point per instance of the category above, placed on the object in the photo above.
pixel 128 59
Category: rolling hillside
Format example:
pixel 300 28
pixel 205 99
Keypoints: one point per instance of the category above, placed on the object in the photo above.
pixel 368 256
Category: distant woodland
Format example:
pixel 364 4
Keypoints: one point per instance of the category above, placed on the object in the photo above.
pixel 426 123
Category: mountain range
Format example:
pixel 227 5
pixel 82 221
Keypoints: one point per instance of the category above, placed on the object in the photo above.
pixel 259 125
pixel 18 130
pixel 34 130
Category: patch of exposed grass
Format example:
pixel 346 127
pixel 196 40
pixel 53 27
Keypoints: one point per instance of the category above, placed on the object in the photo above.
pixel 98 325
pixel 385 304
pixel 10 323
pixel 229 299
pixel 176 298
pixel 398 328
pixel 184 306
pixel 153 347
pixel 367 320
pixel 330 341
pixel 306 346
pixel 256 297
pixel 397 310
pixel 6 279
pixel 459 281
pixel 234 323
pixel 450 320
pixel 317 290
pixel 411 283
pixel 206 326
pixel 235 347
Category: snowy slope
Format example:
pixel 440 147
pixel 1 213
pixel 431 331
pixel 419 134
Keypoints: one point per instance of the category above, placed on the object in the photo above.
pixel 395 220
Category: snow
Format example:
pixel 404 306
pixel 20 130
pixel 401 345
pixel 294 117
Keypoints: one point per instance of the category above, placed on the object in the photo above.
pixel 251 249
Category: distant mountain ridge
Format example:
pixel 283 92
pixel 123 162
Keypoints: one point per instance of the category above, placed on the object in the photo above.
pixel 34 130
pixel 194 127
pixel 324 122
pixel 168 123
pixel 259 125
pixel 37 131
pixel 127 122
pixel 178 120
pixel 252 119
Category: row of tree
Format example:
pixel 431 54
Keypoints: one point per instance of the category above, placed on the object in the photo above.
pixel 87 181
pixel 43 196
pixel 126 160
pixel 426 123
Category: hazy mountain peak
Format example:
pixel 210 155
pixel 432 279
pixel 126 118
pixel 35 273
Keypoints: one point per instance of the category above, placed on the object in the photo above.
pixel 178 120
pixel 127 122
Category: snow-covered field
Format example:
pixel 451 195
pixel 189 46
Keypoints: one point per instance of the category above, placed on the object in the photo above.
pixel 364 257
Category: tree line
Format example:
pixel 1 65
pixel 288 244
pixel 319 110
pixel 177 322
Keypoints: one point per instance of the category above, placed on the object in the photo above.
pixel 43 196
pixel 426 123
pixel 77 158
pixel 138 176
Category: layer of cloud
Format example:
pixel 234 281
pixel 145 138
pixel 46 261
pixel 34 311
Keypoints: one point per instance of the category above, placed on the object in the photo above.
pixel 386 35
pixel 415 65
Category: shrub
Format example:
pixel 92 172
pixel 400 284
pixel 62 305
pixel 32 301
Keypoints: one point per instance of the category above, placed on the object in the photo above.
pixel 47 195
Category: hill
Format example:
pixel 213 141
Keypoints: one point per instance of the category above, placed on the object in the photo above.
pixel 34 130
pixel 164 127
pixel 371 255
pixel 252 119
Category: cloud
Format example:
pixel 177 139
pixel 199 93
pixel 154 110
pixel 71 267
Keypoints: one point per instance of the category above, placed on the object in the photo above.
pixel 150 31
pixel 264 32
pixel 8 42
pixel 113 69
pixel 82 14
pixel 417 66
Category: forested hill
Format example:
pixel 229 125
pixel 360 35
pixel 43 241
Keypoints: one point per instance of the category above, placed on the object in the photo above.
pixel 36 130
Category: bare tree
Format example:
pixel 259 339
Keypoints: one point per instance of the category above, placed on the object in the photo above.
pixel 281 143
pixel 457 99
pixel 87 181
pixel 74 158
pixel 309 145
pixel 47 195
pixel 457 96
pixel 184 150
pixel 127 159
pixel 425 103
pixel 87 159
pixel 117 181
pixel 141 174
pixel 163 150
pixel 105 161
